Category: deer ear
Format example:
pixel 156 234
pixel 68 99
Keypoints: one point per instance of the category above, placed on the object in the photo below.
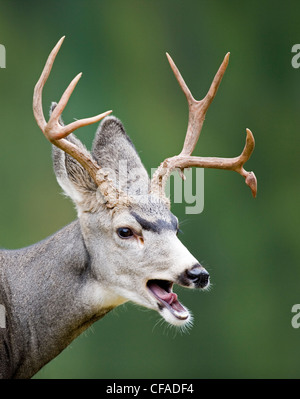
pixel 71 176
pixel 115 152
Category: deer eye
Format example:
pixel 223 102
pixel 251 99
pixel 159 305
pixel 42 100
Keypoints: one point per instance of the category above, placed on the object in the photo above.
pixel 124 232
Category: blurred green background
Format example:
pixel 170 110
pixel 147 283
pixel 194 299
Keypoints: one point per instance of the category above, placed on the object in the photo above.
pixel 242 326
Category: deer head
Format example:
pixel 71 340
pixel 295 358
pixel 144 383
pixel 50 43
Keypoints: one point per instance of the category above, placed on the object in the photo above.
pixel 128 228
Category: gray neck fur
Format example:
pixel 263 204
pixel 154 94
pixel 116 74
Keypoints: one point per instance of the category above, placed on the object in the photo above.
pixel 54 296
pixel 55 289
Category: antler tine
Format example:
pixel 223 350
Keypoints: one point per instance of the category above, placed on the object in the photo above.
pixel 53 130
pixel 38 89
pixel 197 111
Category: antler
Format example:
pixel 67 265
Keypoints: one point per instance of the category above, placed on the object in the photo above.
pixel 56 133
pixel 197 112
pixel 53 130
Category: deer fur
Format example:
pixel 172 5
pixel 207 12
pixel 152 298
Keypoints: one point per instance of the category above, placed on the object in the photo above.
pixel 123 246
pixel 54 290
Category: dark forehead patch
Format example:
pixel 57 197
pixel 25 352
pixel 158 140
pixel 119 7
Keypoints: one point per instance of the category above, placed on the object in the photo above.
pixel 157 225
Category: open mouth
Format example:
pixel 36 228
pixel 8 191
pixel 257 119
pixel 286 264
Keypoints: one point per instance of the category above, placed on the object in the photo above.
pixel 162 290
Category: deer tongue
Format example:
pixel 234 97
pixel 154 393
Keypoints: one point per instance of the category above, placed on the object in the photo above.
pixel 168 298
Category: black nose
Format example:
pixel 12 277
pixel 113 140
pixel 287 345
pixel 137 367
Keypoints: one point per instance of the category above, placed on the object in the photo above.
pixel 198 275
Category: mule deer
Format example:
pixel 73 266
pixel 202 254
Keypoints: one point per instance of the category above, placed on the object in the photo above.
pixel 123 247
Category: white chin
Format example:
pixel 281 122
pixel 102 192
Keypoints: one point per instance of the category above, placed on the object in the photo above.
pixel 184 319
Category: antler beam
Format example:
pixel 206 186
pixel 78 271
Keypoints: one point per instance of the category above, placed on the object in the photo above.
pixel 197 112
